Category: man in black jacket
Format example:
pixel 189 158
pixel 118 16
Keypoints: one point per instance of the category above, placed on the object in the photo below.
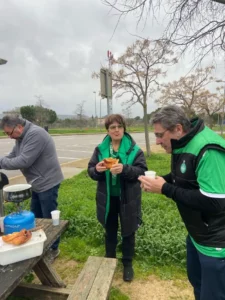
pixel 197 185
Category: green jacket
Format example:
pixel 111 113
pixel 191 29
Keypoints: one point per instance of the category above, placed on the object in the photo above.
pixel 197 184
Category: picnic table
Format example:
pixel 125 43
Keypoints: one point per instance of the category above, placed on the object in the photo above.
pixel 93 283
pixel 11 275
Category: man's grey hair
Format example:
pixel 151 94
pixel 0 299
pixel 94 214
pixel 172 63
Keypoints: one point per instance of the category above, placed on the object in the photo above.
pixel 171 115
pixel 12 120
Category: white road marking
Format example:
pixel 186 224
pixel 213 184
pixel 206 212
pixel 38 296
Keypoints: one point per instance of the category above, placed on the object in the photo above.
pixel 66 150
pixel 68 157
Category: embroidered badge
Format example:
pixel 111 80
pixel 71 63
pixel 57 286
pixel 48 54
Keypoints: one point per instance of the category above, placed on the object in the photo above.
pixel 183 167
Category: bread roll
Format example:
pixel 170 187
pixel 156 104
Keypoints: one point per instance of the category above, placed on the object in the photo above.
pixel 109 162
pixel 17 238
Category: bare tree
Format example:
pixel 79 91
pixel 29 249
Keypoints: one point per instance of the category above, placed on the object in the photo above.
pixel 187 91
pixel 199 23
pixel 128 115
pixel 209 104
pixel 40 111
pixel 80 114
pixel 138 71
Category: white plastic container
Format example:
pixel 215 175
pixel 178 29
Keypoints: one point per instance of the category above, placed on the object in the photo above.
pixel 34 247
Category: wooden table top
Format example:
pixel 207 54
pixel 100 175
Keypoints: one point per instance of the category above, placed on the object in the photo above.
pixel 12 274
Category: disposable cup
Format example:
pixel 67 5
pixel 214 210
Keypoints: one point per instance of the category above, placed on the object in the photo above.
pixel 150 174
pixel 55 217
pixel 2 224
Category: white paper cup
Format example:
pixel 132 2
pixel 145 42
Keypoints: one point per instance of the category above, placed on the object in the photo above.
pixel 2 224
pixel 55 217
pixel 150 174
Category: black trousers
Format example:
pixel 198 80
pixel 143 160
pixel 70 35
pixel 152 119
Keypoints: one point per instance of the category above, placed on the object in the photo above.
pixel 206 274
pixel 128 242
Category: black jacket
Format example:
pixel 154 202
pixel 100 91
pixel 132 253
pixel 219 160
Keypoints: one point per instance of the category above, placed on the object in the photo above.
pixel 130 207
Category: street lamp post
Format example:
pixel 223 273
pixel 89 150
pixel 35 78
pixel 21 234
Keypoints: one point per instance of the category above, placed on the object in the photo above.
pixel 222 116
pixel 223 108
pixel 95 110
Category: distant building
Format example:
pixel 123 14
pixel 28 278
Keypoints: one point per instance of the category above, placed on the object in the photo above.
pixel 101 121
pixel 63 117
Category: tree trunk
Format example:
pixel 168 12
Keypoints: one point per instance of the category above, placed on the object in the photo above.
pixel 210 122
pixel 147 141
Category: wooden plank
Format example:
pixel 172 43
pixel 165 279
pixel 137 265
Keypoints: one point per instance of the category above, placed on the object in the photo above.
pixel 47 274
pixel 103 280
pixel 86 278
pixel 37 292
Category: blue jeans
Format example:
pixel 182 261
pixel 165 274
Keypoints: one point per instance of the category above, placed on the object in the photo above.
pixel 43 203
pixel 206 274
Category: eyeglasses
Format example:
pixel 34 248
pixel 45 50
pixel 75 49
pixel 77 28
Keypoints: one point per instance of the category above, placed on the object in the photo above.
pixel 10 133
pixel 160 135
pixel 113 127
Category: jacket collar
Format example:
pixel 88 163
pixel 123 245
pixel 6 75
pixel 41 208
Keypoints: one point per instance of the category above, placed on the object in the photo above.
pixel 26 127
pixel 105 143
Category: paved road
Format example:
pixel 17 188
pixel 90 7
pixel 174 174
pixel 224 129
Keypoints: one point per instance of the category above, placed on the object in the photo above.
pixel 71 148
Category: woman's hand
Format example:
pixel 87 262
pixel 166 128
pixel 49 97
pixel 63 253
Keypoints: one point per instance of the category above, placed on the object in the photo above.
pixel 153 185
pixel 117 169
pixel 100 167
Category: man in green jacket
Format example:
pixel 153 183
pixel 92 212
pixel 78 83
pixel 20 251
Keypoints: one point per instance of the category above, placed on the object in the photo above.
pixel 197 185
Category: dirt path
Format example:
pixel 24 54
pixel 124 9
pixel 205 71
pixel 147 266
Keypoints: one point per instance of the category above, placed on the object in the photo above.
pixel 150 289
pixel 155 289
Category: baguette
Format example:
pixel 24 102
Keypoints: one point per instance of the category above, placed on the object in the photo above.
pixel 17 238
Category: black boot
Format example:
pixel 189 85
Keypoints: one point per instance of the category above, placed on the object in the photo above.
pixel 128 273
pixel 128 244
pixel 110 254
pixel 110 247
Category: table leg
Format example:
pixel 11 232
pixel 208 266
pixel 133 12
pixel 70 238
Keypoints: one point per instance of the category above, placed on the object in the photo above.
pixel 47 275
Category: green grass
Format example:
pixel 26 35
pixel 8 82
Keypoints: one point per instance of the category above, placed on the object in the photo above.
pixel 86 130
pixel 160 241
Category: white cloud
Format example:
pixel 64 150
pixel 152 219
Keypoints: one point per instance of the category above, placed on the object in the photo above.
pixel 53 46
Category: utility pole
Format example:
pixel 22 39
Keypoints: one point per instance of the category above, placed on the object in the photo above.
pixel 95 110
pixel 223 108
pixel 109 97
pixel 222 115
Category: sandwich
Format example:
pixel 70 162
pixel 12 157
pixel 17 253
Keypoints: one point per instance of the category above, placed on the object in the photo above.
pixel 109 162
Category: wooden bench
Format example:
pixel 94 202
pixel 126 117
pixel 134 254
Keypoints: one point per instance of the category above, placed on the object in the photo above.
pixel 95 279
pixel 93 283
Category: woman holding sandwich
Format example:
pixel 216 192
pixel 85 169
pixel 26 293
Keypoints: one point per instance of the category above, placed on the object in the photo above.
pixel 116 164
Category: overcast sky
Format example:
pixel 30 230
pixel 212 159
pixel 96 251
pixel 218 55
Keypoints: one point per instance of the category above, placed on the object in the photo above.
pixel 53 46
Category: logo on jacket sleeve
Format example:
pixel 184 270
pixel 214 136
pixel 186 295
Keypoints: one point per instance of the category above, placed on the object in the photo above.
pixel 183 167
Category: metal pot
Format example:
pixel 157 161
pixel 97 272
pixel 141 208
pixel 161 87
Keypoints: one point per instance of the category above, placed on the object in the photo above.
pixel 17 192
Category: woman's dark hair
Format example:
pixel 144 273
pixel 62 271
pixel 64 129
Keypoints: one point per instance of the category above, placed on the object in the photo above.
pixel 115 118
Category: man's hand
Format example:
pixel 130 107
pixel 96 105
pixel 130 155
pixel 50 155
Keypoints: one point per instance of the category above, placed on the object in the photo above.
pixel 153 185
pixel 117 169
pixel 100 167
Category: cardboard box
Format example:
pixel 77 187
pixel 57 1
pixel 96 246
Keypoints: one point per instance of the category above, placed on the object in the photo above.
pixel 34 247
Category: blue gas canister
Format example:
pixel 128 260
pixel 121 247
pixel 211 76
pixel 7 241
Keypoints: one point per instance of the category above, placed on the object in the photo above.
pixel 18 221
